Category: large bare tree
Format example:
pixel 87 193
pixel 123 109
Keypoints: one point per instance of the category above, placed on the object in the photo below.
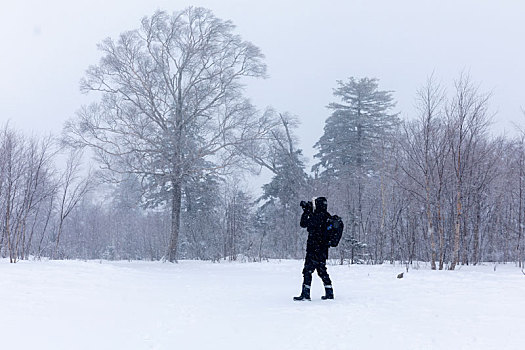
pixel 171 103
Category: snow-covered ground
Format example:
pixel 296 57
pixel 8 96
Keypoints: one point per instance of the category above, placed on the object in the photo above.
pixel 200 305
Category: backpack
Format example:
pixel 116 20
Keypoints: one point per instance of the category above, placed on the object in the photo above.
pixel 334 228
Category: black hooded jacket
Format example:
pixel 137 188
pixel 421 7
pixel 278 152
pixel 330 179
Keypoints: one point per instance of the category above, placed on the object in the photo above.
pixel 315 222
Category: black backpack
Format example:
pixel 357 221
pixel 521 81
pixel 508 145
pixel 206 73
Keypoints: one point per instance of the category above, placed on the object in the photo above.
pixel 334 228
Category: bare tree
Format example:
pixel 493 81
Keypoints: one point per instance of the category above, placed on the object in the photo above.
pixel 72 189
pixel 39 187
pixel 467 119
pixel 13 170
pixel 25 183
pixel 520 148
pixel 172 105
pixel 486 167
pixel 421 139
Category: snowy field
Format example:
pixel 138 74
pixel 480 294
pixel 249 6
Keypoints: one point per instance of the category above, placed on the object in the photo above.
pixel 200 305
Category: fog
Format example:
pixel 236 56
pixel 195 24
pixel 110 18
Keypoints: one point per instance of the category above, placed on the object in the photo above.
pixel 46 47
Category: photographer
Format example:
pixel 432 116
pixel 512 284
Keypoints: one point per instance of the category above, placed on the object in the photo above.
pixel 314 219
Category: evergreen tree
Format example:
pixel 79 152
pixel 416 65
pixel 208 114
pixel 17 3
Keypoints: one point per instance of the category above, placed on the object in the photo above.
pixel 289 180
pixel 352 152
pixel 288 187
pixel 201 218
pixel 354 132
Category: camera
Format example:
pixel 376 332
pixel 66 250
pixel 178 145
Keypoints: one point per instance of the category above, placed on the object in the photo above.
pixel 307 205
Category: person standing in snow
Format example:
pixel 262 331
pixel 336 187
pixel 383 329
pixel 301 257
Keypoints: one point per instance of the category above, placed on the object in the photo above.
pixel 314 219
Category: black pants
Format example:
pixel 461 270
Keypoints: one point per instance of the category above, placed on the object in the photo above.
pixel 310 265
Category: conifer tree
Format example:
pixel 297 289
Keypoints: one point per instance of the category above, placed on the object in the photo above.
pixel 355 131
pixel 352 149
pixel 289 185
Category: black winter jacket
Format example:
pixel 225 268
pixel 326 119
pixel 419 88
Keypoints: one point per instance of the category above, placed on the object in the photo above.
pixel 317 244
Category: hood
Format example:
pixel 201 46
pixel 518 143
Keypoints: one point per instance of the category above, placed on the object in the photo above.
pixel 321 204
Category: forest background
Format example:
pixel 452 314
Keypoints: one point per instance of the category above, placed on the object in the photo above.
pixel 435 185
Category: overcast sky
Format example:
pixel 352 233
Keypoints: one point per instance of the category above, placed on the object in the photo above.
pixel 47 45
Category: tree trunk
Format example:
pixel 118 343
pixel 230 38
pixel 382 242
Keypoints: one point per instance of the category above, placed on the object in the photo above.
pixel 520 210
pixel 441 235
pixel 476 257
pixel 457 234
pixel 464 243
pixel 175 222
pixel 430 227
pixel 60 225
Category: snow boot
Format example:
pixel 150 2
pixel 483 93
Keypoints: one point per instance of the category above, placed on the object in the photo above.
pixel 329 292
pixel 305 294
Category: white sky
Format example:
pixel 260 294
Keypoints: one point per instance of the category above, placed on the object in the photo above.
pixel 47 45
